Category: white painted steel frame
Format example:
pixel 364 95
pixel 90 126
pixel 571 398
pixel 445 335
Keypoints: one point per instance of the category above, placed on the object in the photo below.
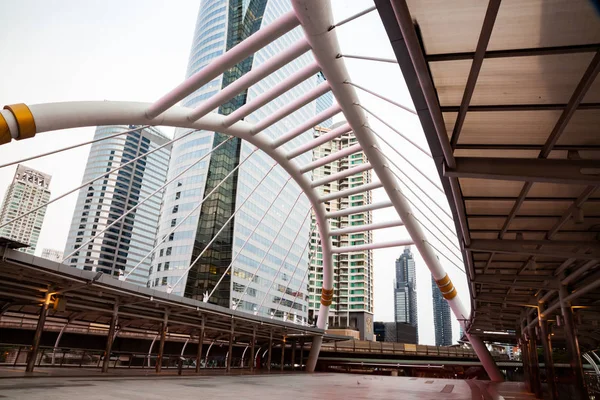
pixel 316 19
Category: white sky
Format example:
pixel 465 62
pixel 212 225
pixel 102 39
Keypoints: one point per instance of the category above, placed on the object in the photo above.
pixel 69 50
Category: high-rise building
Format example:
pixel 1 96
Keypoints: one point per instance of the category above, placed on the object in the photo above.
pixel 222 24
pixel 52 255
pixel 121 247
pixel 397 332
pixel 28 190
pixel 442 320
pixel 405 290
pixel 352 304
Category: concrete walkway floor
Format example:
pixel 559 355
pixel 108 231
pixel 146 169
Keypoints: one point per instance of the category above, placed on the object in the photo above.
pixel 292 386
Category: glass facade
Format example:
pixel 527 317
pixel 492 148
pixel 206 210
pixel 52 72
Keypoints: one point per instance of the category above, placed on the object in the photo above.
pixel 405 289
pixel 353 272
pixel 442 320
pixel 28 190
pixel 222 24
pixel 120 248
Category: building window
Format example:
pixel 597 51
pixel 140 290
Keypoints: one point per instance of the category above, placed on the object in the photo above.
pixel 164 281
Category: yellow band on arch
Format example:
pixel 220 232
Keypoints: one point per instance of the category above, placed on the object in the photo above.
pixel 25 120
pixel 5 136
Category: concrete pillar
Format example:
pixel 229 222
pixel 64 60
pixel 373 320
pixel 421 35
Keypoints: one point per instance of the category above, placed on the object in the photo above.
pixel 32 355
pixel 270 351
pixel 109 338
pixel 230 351
pixel 282 353
pixel 533 359
pixel 251 361
pixel 313 355
pixel 200 344
pixel 161 346
pixel 547 345
pixel 572 343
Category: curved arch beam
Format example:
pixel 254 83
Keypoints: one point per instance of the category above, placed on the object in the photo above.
pixel 65 115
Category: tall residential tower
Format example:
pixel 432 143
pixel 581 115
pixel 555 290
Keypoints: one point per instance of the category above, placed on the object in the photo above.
pixel 192 271
pixel 119 249
pixel 405 290
pixel 352 305
pixel 28 190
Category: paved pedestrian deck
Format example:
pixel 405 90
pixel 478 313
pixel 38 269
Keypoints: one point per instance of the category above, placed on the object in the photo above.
pixel 291 386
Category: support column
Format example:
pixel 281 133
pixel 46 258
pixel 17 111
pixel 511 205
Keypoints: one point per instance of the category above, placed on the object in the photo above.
pixel 572 343
pixel 270 351
pixel 282 353
pixel 524 355
pixel 230 351
pixel 533 359
pixel 32 356
pixel 109 338
pixel 200 344
pixel 301 354
pixel 484 355
pixel 547 345
pixel 252 350
pixel 161 346
pixel 293 354
pixel 313 355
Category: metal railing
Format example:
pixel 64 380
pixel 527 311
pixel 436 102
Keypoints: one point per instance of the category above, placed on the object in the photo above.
pixel 16 355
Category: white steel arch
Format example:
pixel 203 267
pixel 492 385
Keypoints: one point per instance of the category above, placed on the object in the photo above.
pixel 20 121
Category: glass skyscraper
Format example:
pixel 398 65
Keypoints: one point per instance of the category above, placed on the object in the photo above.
pixel 442 321
pixel 222 24
pixel 405 290
pixel 28 190
pixel 120 248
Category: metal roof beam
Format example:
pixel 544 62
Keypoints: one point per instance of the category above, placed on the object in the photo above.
pixel 535 51
pixel 586 172
pixel 517 247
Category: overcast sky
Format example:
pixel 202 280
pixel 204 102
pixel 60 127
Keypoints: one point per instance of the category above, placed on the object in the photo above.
pixel 137 50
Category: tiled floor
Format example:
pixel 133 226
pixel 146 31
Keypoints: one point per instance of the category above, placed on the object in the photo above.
pixel 263 387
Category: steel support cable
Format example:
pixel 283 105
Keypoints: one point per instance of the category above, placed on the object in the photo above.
pixel 368 58
pixel 249 236
pixel 405 159
pixel 73 146
pixel 99 177
pixel 301 284
pixel 431 222
pixel 283 261
pixel 395 103
pixel 270 247
pixel 312 231
pixel 353 17
pixel 422 150
pixel 422 191
pixel 145 199
pixel 184 219
pixel 169 289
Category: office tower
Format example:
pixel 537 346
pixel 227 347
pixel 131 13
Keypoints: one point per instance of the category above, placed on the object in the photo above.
pixel 441 317
pixel 52 255
pixel 397 332
pixel 405 289
pixel 352 304
pixel 119 249
pixel 28 190
pixel 222 24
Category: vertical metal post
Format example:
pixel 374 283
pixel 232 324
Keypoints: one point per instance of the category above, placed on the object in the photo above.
pixel 293 354
pixel 282 353
pixel 572 343
pixel 525 355
pixel 533 359
pixel 109 338
pixel 161 346
pixel 547 344
pixel 230 352
pixel 31 357
pixel 301 354
pixel 200 343
pixel 252 350
pixel 270 351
